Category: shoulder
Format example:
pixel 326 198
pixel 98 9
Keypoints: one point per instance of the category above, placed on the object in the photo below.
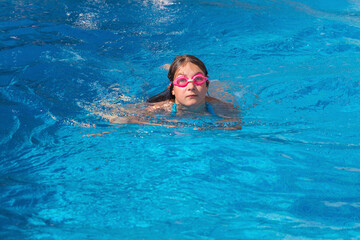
pixel 163 106
pixel 218 102
pixel 221 108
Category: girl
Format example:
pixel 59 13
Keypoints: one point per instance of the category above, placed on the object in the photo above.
pixel 185 96
pixel 187 90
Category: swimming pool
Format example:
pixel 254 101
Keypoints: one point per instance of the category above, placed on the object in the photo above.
pixel 291 172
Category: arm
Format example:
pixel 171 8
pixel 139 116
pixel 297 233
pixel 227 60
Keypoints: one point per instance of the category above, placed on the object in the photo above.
pixel 145 114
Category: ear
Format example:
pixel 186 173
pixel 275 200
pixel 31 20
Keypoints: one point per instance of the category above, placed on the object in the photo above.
pixel 207 83
pixel 173 92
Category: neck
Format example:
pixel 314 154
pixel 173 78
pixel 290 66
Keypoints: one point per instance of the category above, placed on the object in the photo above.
pixel 197 108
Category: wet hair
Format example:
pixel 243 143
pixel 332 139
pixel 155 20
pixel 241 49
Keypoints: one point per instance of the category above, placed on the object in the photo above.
pixel 178 62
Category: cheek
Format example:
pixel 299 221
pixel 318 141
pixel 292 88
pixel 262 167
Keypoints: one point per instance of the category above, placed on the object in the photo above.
pixel 176 92
pixel 203 90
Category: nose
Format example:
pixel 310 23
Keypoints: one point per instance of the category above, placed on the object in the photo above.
pixel 191 84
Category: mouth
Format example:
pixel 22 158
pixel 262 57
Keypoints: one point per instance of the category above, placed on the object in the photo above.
pixel 192 96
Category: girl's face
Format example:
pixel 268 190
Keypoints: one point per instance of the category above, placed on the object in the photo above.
pixel 191 96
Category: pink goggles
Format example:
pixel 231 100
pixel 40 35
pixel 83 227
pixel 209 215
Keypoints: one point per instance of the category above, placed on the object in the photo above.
pixel 183 81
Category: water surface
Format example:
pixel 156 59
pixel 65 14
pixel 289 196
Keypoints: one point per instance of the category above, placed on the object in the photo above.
pixel 291 172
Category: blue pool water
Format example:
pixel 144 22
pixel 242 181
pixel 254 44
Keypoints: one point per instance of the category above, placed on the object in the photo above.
pixel 291 172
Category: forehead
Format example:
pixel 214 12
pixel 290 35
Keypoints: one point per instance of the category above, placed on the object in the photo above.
pixel 188 69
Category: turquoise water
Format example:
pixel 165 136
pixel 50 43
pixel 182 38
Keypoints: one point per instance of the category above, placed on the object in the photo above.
pixel 291 172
